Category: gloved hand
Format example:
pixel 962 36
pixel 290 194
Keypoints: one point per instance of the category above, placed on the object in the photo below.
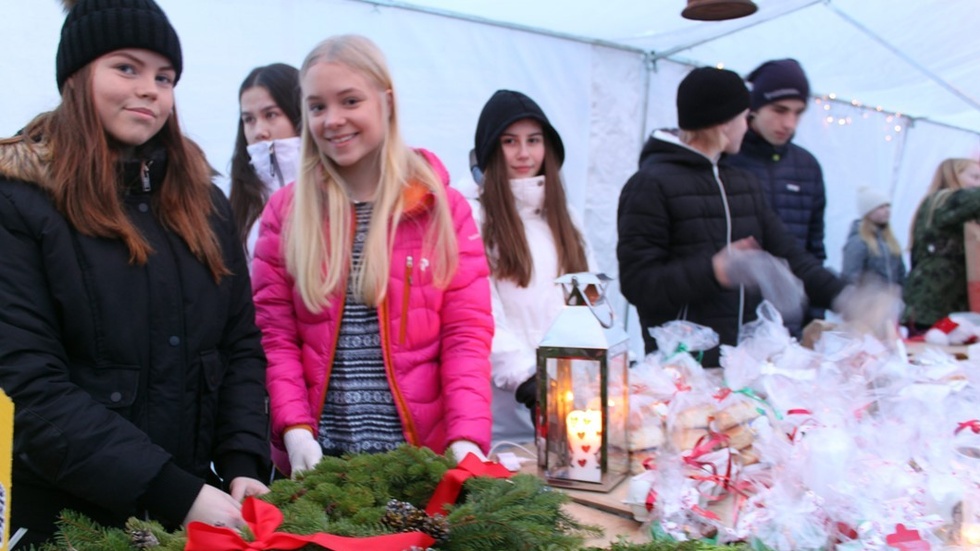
pixel 304 451
pixel 212 506
pixel 527 394
pixel 462 448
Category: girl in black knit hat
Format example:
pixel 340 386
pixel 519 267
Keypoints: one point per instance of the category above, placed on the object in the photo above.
pixel 685 212
pixel 127 339
pixel 531 239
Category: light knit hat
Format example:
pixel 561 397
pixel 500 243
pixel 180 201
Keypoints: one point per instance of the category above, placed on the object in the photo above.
pixel 869 199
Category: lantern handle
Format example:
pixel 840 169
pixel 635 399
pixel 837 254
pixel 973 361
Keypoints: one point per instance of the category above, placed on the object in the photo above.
pixel 588 302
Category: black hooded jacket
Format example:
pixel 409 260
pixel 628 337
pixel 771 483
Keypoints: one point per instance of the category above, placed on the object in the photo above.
pixel 128 381
pixel 674 214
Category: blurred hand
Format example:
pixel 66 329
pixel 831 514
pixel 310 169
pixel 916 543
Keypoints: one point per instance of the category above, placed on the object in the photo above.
pixel 304 451
pixel 212 506
pixel 462 448
pixel 719 262
pixel 243 486
pixel 871 307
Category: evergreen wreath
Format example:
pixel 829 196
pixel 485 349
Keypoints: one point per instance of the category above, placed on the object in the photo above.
pixel 374 494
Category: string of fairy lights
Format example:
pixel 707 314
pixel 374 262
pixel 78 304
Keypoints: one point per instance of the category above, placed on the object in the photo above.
pixel 895 123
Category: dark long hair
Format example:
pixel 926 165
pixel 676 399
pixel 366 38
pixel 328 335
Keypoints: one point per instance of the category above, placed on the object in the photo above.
pixel 503 230
pixel 248 195
pixel 83 177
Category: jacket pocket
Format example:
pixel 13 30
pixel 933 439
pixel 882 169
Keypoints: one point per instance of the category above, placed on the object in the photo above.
pixel 212 373
pixel 406 292
pixel 115 386
pixel 212 370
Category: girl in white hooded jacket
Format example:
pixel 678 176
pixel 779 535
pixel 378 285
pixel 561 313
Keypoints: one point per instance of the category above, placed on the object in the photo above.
pixel 266 155
pixel 531 239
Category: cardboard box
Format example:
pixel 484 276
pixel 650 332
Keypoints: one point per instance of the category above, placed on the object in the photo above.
pixel 971 245
pixel 6 459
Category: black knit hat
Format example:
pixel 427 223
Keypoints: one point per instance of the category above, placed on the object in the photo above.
pixel 708 96
pixel 94 28
pixel 503 109
pixel 778 80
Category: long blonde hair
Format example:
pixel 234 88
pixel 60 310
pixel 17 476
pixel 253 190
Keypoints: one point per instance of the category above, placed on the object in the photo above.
pixel 868 229
pixel 319 260
pixel 944 183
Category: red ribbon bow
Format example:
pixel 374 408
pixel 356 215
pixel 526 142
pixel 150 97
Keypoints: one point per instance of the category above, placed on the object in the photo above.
pixel 972 424
pixel 263 519
pixel 452 482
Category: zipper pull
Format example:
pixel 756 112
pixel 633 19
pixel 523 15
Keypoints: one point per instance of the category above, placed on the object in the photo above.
pixel 274 169
pixel 408 269
pixel 145 175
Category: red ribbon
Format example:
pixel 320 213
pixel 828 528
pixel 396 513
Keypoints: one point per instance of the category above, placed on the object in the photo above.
pixel 452 482
pixel 263 519
pixel 972 424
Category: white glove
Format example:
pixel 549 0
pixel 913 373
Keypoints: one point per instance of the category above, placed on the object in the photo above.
pixel 304 451
pixel 461 448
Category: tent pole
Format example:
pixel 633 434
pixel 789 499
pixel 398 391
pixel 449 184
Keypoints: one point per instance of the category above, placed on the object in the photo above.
pixel 918 66
pixel 494 23
pixel 731 30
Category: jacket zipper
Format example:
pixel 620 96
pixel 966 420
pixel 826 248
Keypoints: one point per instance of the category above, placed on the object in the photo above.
pixel 145 175
pixel 274 169
pixel 403 326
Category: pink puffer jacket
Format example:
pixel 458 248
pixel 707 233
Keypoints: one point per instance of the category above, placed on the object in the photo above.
pixel 436 342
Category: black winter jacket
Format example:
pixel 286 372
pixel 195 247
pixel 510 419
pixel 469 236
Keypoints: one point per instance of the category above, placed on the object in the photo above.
pixel 674 216
pixel 792 183
pixel 127 380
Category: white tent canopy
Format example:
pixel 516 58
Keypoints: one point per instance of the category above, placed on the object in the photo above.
pixel 604 72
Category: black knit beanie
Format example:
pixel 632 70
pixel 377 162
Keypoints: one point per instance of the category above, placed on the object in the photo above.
pixel 778 80
pixel 708 97
pixel 94 28
pixel 503 109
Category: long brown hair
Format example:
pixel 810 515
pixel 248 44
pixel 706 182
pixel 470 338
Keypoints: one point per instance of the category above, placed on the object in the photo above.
pixel 83 177
pixel 503 230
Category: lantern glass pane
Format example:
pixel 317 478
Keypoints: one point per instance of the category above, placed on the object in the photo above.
pixel 574 416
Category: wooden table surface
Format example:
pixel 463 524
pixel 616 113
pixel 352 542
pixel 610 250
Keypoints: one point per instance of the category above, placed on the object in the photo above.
pixel 606 510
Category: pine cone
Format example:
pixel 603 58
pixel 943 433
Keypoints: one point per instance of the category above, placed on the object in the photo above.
pixel 143 539
pixel 405 517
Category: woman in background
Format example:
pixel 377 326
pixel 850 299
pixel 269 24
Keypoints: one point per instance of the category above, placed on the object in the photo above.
pixel 871 248
pixel 936 284
pixel 531 239
pixel 266 153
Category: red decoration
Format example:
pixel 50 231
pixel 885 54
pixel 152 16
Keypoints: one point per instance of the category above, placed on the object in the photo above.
pixel 946 325
pixel 452 482
pixel 907 540
pixel 263 519
pixel 972 424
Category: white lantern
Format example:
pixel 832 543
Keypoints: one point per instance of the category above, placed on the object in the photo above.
pixel 583 391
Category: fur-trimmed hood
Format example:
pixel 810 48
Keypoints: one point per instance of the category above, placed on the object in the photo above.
pixel 26 161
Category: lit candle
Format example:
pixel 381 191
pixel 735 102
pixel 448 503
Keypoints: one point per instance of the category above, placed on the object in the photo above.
pixel 585 440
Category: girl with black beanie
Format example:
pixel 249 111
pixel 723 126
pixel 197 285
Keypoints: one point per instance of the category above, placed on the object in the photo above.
pixel 127 335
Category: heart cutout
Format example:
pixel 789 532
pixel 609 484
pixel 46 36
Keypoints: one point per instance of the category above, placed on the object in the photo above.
pixel 581 462
pixel 586 448
pixel 581 435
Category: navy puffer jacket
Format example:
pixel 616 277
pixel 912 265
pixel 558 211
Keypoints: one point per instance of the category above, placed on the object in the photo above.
pixel 792 183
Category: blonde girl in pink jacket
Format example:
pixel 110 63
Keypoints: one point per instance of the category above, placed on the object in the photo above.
pixel 370 281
